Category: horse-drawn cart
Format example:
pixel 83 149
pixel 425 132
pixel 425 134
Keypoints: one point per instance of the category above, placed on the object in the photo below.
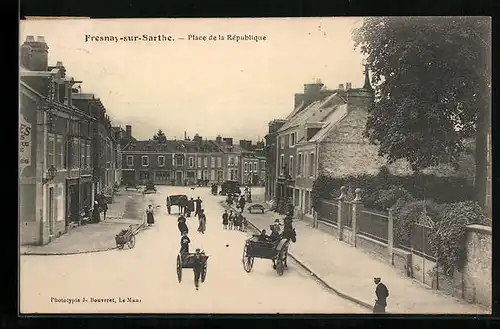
pixel 179 200
pixel 150 188
pixel 185 260
pixel 276 250
pixel 127 236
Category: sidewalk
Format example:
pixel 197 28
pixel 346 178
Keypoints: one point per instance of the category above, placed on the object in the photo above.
pixel 350 272
pixel 127 209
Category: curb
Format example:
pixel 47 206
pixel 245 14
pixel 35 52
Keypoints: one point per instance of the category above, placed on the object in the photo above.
pixel 71 252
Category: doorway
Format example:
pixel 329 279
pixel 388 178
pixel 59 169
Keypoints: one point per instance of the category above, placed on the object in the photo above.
pixel 73 203
pixel 178 178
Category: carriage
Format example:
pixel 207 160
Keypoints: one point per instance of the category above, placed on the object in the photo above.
pixel 150 188
pixel 179 200
pixel 127 236
pixel 185 260
pixel 276 250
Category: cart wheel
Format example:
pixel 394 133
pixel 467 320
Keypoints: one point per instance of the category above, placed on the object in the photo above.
pixel 119 246
pixel 179 268
pixel 131 242
pixel 247 261
pixel 280 266
pixel 204 272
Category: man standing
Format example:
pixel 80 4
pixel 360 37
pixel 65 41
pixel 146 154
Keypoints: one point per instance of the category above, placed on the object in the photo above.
pixel 382 293
pixel 198 203
pixel 242 203
pixel 104 209
pixel 197 267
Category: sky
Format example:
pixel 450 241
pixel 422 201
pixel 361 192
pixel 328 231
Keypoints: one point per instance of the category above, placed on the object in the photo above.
pixel 202 86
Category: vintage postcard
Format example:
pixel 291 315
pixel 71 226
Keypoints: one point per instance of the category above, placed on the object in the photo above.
pixel 280 165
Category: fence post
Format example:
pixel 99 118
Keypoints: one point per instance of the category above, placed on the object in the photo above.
pixel 390 235
pixel 356 209
pixel 340 212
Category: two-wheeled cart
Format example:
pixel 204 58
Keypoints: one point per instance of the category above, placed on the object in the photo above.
pixel 185 260
pixel 127 237
pixel 276 250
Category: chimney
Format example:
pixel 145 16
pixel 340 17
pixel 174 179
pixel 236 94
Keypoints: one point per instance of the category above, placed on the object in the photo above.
pixel 185 135
pixel 34 54
pixel 348 85
pixel 228 141
pixel 218 139
pixel 312 88
pixel 128 130
pixel 341 86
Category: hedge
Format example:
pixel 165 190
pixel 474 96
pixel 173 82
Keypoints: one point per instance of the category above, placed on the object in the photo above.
pixel 438 189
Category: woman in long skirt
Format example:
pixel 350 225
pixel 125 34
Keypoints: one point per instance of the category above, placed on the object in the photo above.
pixel 150 218
pixel 203 221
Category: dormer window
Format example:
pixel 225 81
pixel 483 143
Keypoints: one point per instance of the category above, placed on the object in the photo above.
pixel 293 139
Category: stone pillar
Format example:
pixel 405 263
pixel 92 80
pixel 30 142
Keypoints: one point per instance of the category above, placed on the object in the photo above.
pixel 356 209
pixel 390 236
pixel 340 201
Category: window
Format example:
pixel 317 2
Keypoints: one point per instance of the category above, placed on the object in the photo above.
pixel 219 162
pixel 262 164
pixel 311 165
pixel 199 161
pixel 282 163
pixel 191 162
pixel 205 162
pixel 282 142
pixel 130 160
pixel 212 162
pixel 305 169
pixel 299 165
pixel 50 151
pixel 75 156
pixel 179 161
pixel 161 161
pixel 293 139
pixel 290 171
pixel 59 152
pixel 83 158
pixel 212 175
pixel 87 153
pixel 255 166
pixel 145 160
pixel 246 166
pixel 231 160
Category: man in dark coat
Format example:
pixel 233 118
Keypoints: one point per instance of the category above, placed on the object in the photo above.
pixel 96 216
pixel 198 203
pixel 169 205
pixel 382 293
pixel 191 205
pixel 197 267
pixel 185 241
pixel 181 224
pixel 242 203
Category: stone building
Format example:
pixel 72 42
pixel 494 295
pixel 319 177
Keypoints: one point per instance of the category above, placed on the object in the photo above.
pixel 55 147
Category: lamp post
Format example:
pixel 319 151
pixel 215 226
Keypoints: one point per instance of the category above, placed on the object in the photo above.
pixel 51 174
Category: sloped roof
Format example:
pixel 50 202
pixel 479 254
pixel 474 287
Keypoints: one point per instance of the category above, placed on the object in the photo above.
pixel 173 146
pixel 338 113
pixel 299 108
pixel 316 112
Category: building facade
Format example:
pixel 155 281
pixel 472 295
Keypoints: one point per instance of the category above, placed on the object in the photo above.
pixel 55 147
pixel 270 156
pixel 174 162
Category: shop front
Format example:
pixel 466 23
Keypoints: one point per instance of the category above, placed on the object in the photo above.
pixel 86 191
pixel 72 200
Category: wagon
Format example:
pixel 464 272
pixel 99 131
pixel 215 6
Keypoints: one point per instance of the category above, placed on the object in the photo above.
pixel 257 207
pixel 127 236
pixel 277 251
pixel 150 188
pixel 185 260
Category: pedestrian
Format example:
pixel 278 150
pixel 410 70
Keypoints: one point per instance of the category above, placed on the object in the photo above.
pixel 169 205
pixel 191 206
pixel 197 267
pixel 185 241
pixel 244 224
pixel 104 209
pixel 242 203
pixel 150 218
pixel 198 203
pixel 231 220
pixel 225 220
pixel 382 293
pixel 96 216
pixel 181 224
pixel 202 222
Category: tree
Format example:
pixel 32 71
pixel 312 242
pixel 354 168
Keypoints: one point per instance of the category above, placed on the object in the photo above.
pixel 432 87
pixel 160 136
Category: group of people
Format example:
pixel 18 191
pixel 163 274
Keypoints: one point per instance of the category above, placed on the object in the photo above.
pixel 241 201
pixel 234 221
pixel 185 240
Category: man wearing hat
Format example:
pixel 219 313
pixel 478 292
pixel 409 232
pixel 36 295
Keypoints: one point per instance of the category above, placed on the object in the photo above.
pixel 382 293
pixel 197 266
